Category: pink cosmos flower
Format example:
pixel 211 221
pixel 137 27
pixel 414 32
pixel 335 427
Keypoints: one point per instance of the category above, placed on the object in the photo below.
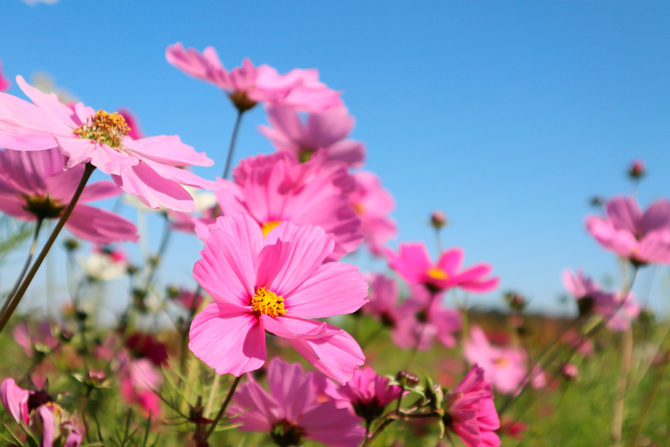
pixel 373 203
pixel 368 394
pixel 505 366
pixel 188 299
pixel 290 413
pixel 641 237
pixel 248 85
pixel 40 416
pixel 35 339
pixel 422 319
pixel 33 185
pixel 135 131
pixel 276 283
pixel 139 378
pixel 4 82
pixel 148 168
pixel 383 300
pixel 326 130
pixel 414 265
pixel 277 188
pixel 470 412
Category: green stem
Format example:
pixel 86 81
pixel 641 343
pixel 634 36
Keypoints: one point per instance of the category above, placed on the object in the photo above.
pixel 33 245
pixel 377 432
pixel 231 147
pixel 11 304
pixel 650 399
pixel 226 402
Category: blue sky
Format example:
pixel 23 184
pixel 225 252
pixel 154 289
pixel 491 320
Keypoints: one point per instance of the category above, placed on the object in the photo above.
pixel 507 116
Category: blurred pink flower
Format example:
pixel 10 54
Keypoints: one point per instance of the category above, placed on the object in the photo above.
pixel 422 319
pixel 188 299
pixel 148 168
pixel 373 204
pixel 276 282
pixel 4 82
pixel 139 378
pixel 624 312
pixel 146 346
pixel 290 413
pixel 34 338
pixel 248 85
pixel 642 237
pixel 40 416
pixel 33 185
pixel 470 412
pixel 277 188
pixel 383 300
pixel 326 130
pixel 414 265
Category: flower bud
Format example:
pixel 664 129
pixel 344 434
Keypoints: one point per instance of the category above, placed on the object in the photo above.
pixel 96 376
pixel 516 302
pixel 637 170
pixel 71 244
pixel 408 378
pixel 597 201
pixel 438 219
pixel 570 371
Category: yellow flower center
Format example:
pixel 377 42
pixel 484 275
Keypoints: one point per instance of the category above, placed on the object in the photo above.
pixel 268 303
pixel 359 208
pixel 437 273
pixel 501 362
pixel 107 128
pixel 269 226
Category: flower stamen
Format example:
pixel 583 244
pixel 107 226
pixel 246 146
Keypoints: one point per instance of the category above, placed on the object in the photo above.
pixel 437 273
pixel 268 303
pixel 269 226
pixel 105 128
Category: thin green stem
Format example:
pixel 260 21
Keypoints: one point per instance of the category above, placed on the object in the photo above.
pixel 377 432
pixel 650 400
pixel 33 245
pixel 222 411
pixel 11 304
pixel 233 139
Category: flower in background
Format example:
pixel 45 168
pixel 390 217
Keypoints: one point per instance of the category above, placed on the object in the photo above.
pixel 470 412
pixel 277 188
pixel 39 416
pixel 637 170
pixel 368 394
pixel 4 82
pixel 290 413
pixel 149 168
pixel 248 85
pixel 505 367
pixel 105 264
pixel 383 304
pixel 413 264
pixel 642 237
pixel 585 290
pixel 422 319
pixel 35 339
pixel 186 298
pixel 33 185
pixel 277 283
pixel 438 219
pixel 373 203
pixel 326 130
pixel 513 429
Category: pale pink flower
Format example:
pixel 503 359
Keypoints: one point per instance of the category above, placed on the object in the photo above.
pixel 422 319
pixel 470 412
pixel 642 237
pixel 383 304
pixel 291 413
pixel 368 393
pixel 623 312
pixel 4 82
pixel 33 185
pixel 505 366
pixel 40 416
pixel 248 85
pixel 326 130
pixel 135 131
pixel 373 203
pixel 35 338
pixel 277 188
pixel 414 265
pixel 139 378
pixel 276 283
pixel 148 168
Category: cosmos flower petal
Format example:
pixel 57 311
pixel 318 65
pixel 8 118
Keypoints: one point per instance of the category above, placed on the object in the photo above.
pixel 291 388
pixel 100 226
pixel 15 400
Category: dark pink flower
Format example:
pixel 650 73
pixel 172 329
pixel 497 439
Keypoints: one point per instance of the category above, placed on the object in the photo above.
pixel 368 393
pixel 290 413
pixel 149 168
pixel 147 346
pixel 35 338
pixel 326 130
pixel 383 304
pixel 414 265
pixel 139 378
pixel 642 237
pixel 470 412
pixel 248 85
pixel 277 188
pixel 373 204
pixel 33 185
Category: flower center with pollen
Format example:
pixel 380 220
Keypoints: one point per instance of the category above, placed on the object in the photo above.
pixel 269 226
pixel 437 273
pixel 105 128
pixel 268 303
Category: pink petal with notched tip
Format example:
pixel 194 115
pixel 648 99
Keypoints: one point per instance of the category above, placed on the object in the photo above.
pixel 191 62
pixel 61 114
pixel 15 400
pixel 332 426
pixel 257 411
pixel 291 388
pixel 166 150
pixel 655 247
pixel 153 190
pixel 228 338
pixel 286 124
pixel 48 422
pixel 451 261
pixel 100 226
pixel 625 214
pixel 334 355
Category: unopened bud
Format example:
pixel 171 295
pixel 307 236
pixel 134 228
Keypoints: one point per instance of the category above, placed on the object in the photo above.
pixel 597 201
pixel 516 302
pixel 570 371
pixel 408 377
pixel 172 291
pixel 637 170
pixel 71 244
pixel 438 219
pixel 66 335
pixel 96 376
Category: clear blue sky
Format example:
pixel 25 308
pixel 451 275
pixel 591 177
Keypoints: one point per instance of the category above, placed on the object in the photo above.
pixel 506 115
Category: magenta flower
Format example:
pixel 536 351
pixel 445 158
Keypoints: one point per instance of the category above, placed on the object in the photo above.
pixel 276 283
pixel 470 412
pixel 248 85
pixel 139 378
pixel 277 188
pixel 35 339
pixel 368 394
pixel 33 185
pixel 40 416
pixel 290 413
pixel 4 82
pixel 373 203
pixel 383 304
pixel 188 299
pixel 642 237
pixel 326 130
pixel 148 168
pixel 414 265
pixel 422 319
